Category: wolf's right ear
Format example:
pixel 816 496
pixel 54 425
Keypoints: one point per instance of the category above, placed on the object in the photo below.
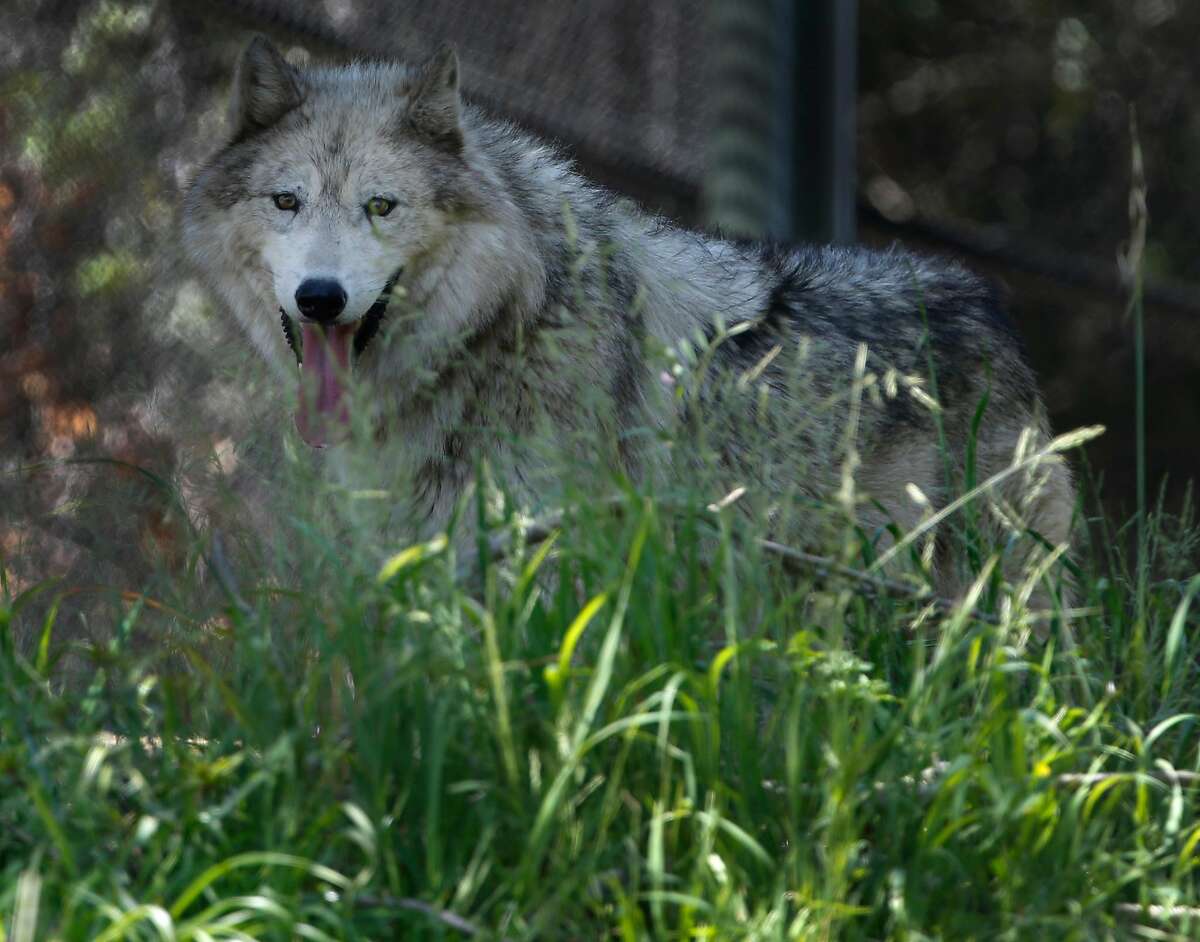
pixel 433 99
pixel 265 87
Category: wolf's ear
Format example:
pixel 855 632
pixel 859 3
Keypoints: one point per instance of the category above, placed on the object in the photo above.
pixel 433 102
pixel 265 88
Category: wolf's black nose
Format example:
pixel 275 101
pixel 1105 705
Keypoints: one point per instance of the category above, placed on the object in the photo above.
pixel 320 299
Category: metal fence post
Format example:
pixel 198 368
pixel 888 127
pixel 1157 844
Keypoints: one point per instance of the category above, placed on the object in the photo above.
pixel 824 96
pixel 747 185
pixel 781 159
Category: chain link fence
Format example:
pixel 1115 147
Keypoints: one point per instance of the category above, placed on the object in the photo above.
pixel 115 407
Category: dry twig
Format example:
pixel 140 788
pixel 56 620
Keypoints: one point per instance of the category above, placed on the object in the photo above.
pixel 444 916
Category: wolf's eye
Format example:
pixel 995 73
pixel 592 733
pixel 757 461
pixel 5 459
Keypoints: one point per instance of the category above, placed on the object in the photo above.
pixel 379 206
pixel 286 201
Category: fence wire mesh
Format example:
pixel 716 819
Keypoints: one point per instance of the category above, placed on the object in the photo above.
pixel 1012 113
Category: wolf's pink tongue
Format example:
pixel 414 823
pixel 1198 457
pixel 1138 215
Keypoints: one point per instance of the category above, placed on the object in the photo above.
pixel 324 414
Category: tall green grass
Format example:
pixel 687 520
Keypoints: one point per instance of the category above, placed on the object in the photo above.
pixel 637 721
pixel 637 717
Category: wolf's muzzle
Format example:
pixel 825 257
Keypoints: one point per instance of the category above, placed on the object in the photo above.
pixel 368 326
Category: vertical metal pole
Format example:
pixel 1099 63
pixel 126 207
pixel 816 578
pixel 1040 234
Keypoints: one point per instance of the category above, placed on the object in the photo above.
pixel 824 95
pixel 747 187
pixel 781 162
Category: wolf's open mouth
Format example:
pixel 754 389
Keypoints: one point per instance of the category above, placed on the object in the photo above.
pixel 324 413
pixel 368 324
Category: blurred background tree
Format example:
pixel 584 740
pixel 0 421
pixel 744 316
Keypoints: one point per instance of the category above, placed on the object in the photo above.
pixel 997 131
pixel 1015 116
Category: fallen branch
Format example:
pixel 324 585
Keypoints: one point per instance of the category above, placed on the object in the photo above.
pixel 927 782
pixel 1161 913
pixel 500 546
pixel 798 560
pixel 444 916
pixel 1075 779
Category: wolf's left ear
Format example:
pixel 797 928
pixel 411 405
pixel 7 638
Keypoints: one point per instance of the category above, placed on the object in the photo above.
pixel 266 87
pixel 433 100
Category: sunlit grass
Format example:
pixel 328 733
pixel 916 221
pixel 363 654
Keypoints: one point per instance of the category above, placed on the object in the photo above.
pixel 640 722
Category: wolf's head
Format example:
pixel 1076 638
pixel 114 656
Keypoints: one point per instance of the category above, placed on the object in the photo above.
pixel 340 186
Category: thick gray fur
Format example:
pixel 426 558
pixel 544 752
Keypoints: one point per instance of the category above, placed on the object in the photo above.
pixel 532 301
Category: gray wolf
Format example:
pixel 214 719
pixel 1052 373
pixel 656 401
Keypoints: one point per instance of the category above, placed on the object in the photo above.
pixel 368 222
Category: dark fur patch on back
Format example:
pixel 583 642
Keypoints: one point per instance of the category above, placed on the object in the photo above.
pixel 779 319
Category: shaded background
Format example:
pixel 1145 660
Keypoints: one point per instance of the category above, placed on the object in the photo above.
pixel 995 131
